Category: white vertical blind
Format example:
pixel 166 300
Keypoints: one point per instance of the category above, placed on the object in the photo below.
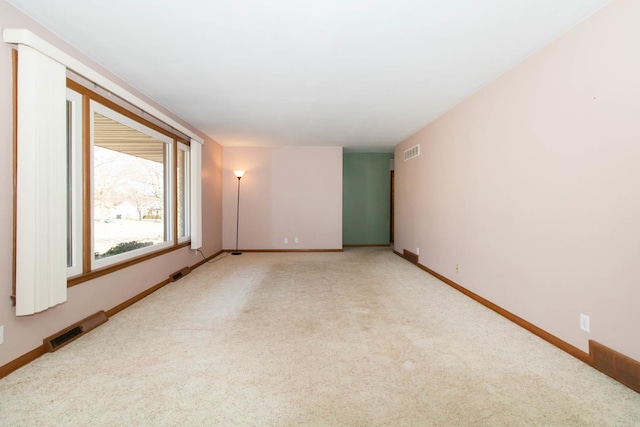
pixel 41 240
pixel 196 194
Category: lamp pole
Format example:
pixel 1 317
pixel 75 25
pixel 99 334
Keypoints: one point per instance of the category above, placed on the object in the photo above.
pixel 238 174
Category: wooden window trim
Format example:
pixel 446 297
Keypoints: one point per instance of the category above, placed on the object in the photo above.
pixel 77 87
pixel 86 185
pixel 76 280
pixel 87 272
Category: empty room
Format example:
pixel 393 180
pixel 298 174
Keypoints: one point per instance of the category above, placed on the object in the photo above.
pixel 338 213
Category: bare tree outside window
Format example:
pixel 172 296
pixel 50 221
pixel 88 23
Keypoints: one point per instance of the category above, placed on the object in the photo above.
pixel 129 181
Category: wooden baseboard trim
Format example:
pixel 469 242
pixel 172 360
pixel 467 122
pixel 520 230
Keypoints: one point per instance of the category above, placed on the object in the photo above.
pixel 552 339
pixel 39 351
pixel 21 361
pixel 368 246
pixel 151 290
pixel 118 308
pixel 562 345
pixel 283 250
pixel 207 259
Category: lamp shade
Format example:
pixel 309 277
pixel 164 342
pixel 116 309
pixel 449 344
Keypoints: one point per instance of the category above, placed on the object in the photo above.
pixel 238 173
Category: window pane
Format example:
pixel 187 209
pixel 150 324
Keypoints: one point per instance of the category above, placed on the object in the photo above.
pixel 129 188
pixel 183 191
pixel 69 184
pixel 74 183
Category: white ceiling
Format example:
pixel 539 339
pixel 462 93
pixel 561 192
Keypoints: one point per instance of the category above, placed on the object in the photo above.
pixel 363 74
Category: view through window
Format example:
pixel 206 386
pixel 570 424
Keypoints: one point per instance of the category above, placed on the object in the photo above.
pixel 130 181
pixel 183 191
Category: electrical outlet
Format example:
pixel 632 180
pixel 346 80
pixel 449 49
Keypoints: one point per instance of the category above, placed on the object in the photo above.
pixel 584 322
pixel 1 334
pixel 296 240
pixel 286 240
pixel 417 251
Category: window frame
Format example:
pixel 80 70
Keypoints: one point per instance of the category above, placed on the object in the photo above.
pixel 96 107
pixel 74 193
pixel 186 176
pixel 90 270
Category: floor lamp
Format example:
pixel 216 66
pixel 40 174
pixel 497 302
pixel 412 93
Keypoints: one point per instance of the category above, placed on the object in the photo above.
pixel 238 174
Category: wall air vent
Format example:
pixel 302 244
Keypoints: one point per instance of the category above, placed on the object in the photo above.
pixel 412 152
pixel 179 274
pixel 65 336
pixel 616 365
pixel 410 256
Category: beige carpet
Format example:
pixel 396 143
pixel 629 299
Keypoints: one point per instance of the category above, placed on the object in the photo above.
pixel 360 338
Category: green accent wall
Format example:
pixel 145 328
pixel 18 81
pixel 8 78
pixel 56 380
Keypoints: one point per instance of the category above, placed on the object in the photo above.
pixel 366 192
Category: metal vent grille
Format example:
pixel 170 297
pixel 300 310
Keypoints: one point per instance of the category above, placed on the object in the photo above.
pixel 74 331
pixel 410 256
pixel 180 274
pixel 412 152
pixel 616 365
pixel 67 336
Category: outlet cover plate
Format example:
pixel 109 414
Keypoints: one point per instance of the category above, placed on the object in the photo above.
pixel 584 322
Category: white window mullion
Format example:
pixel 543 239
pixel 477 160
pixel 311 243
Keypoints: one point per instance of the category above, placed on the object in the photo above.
pixel 184 193
pixel 74 141
pixel 169 203
pixel 195 156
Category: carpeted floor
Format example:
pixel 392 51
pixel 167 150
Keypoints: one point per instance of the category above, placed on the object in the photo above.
pixel 359 338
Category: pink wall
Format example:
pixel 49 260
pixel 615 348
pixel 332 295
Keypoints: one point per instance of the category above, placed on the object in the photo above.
pixel 531 186
pixel 286 192
pixel 23 334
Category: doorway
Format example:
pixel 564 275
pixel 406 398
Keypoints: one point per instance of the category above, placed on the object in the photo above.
pixel 391 207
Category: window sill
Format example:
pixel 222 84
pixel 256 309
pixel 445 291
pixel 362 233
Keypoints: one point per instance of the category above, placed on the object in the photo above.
pixel 76 280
